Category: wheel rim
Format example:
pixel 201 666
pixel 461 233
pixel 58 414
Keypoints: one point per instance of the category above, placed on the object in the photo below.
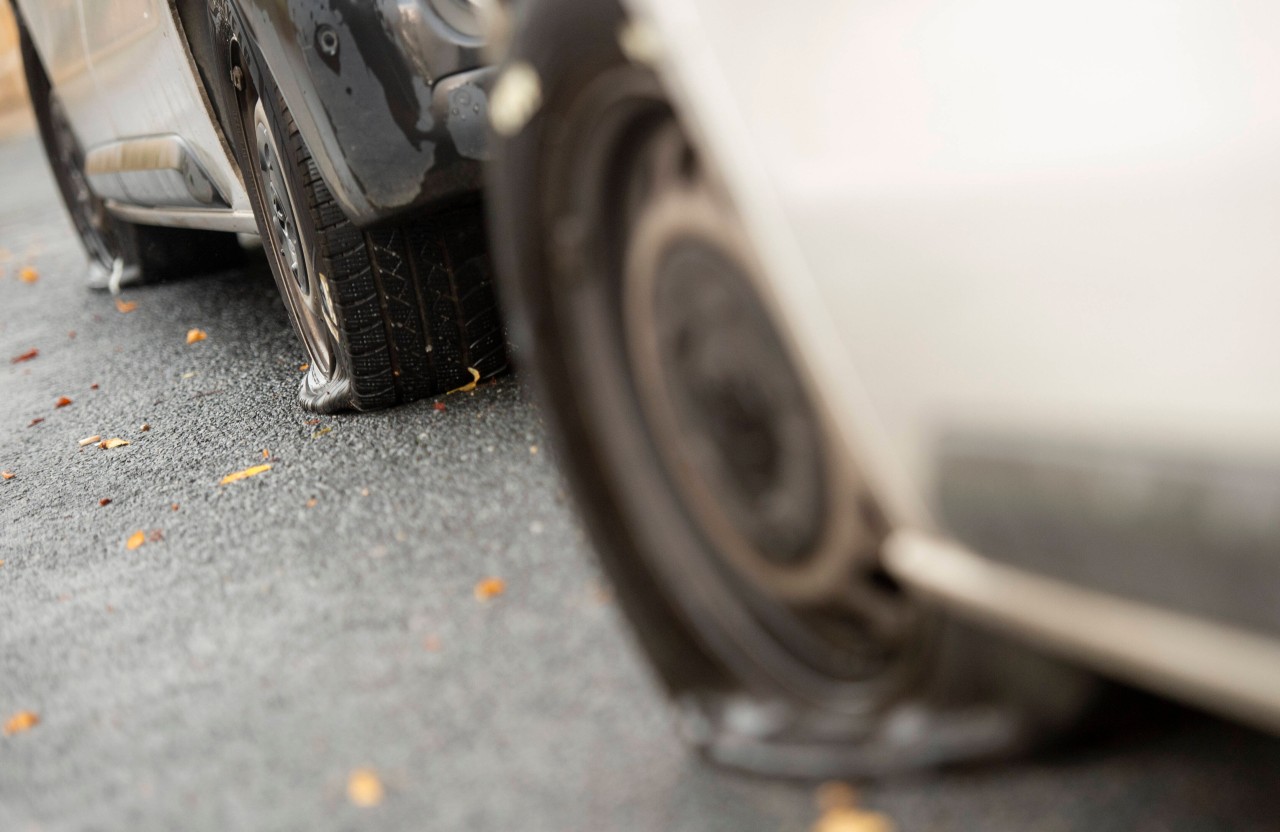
pixel 779 592
pixel 303 286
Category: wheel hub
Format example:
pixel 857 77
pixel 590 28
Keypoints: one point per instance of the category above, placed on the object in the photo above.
pixel 743 420
pixel 787 521
pixel 280 216
pixel 305 290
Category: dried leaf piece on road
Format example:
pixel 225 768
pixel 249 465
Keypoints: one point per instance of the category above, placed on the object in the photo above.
pixel 135 540
pixel 21 721
pixel 28 274
pixel 62 401
pixel 26 356
pixel 126 305
pixel 194 335
pixel 35 421
pixel 364 788
pixel 840 812
pixel 144 428
pixel 439 406
pixel 89 440
pixel 8 475
pixel 105 501
pixel 470 385
pixel 490 588
pixel 245 474
pixel 115 442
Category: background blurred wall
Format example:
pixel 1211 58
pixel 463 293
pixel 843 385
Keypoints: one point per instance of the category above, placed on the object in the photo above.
pixel 14 115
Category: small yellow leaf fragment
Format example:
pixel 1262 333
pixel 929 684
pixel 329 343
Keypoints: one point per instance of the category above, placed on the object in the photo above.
pixel 321 432
pixel 8 475
pixel 470 385
pixel 135 540
pixel 28 274
pixel 364 788
pixel 840 812
pixel 194 335
pixel 89 440
pixel 245 474
pixel 126 306
pixel 114 442
pixel 266 453
pixel 490 588
pixel 21 721
pixel 302 368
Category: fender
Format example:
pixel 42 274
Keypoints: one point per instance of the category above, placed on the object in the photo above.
pixel 391 98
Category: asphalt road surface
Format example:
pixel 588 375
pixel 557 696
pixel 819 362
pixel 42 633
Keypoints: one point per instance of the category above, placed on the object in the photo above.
pixel 237 667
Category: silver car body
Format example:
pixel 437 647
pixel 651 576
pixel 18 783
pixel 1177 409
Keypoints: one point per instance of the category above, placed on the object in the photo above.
pixel 125 78
pixel 1042 226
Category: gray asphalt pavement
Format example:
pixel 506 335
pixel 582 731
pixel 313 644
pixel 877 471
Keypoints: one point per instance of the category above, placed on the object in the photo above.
pixel 232 671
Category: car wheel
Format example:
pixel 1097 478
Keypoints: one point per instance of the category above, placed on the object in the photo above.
pixel 120 253
pixel 744 550
pixel 387 315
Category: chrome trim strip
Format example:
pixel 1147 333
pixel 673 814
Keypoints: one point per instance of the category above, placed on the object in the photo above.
pixel 152 170
pixel 209 219
pixel 1219 667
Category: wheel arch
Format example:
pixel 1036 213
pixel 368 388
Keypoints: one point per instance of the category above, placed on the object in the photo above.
pixel 367 84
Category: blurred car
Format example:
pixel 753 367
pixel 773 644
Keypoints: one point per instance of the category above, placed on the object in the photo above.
pixel 908 358
pixel 347 135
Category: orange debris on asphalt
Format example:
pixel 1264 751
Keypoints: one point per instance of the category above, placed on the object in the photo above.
pixel 245 474
pixel 364 788
pixel 470 385
pixel 490 588
pixel 21 721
